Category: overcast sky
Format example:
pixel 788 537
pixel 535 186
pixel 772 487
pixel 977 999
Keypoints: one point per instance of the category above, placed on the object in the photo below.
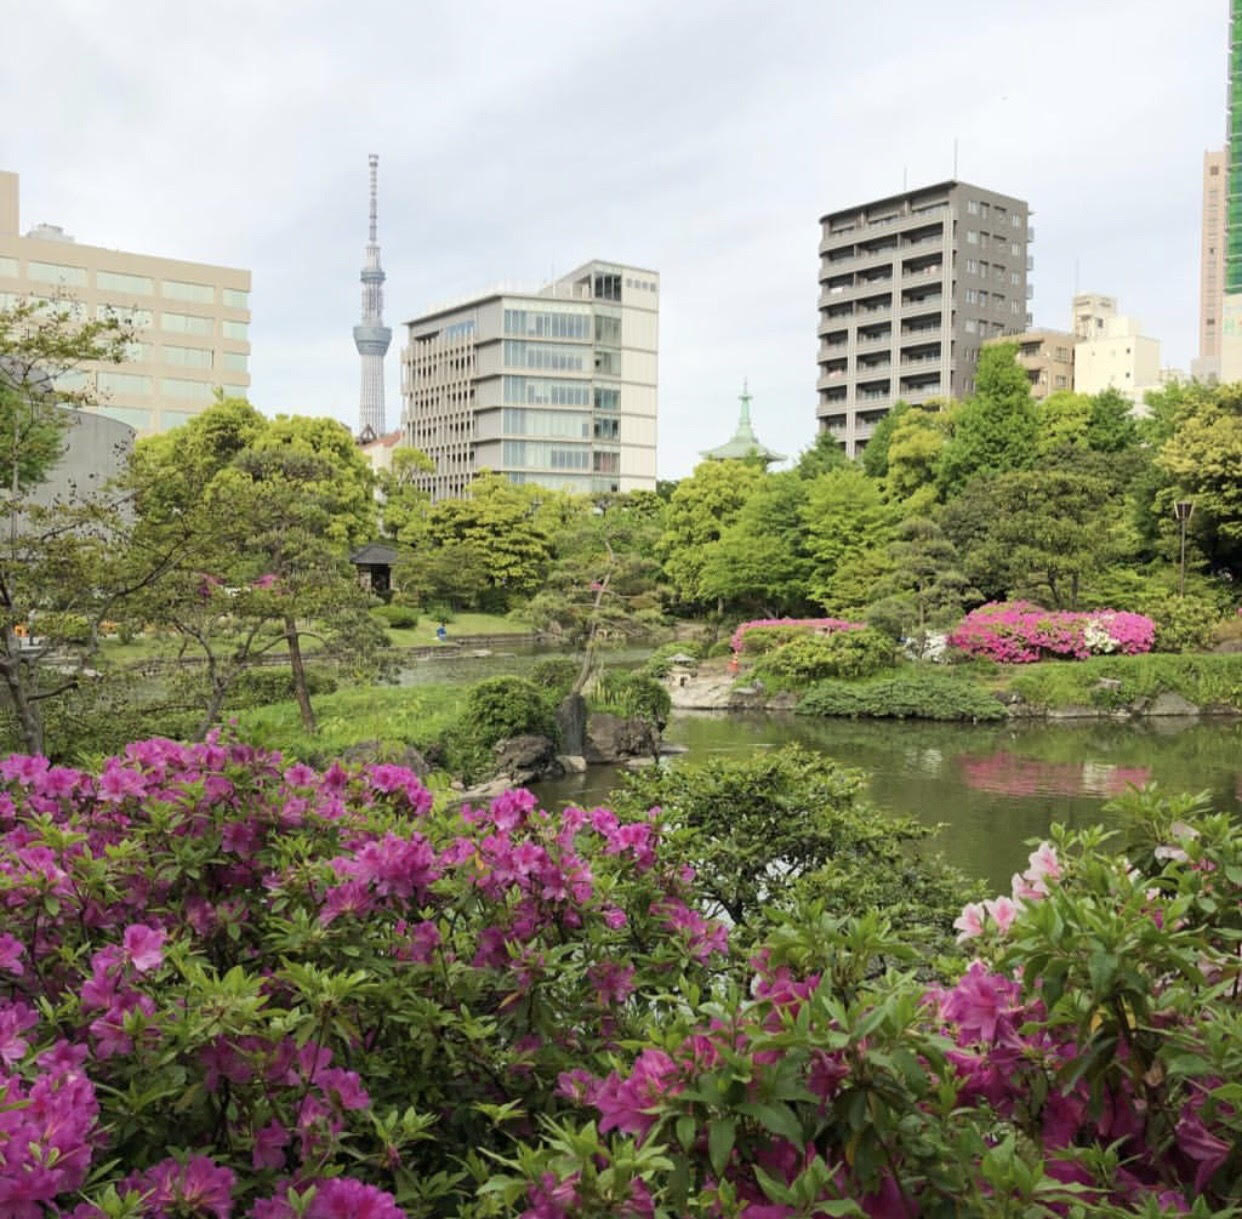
pixel 703 139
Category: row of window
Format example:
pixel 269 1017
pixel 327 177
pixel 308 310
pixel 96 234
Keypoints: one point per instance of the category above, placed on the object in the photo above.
pixel 140 385
pixel 539 455
pixel 998 242
pixel 142 418
pixel 983 268
pixel 537 392
pixel 142 319
pixel 643 285
pixel 976 207
pixel 983 327
pixel 118 281
pixel 567 425
pixel 552 323
pixel 519 354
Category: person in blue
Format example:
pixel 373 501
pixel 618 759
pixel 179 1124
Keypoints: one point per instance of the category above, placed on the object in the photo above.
pixel 441 632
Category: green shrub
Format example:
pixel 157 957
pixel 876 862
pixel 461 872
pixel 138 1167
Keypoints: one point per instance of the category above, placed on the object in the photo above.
pixel 634 694
pixel 1228 632
pixel 501 707
pixel 760 640
pixel 1183 624
pixel 258 687
pixel 556 675
pixel 722 647
pixel 63 627
pixel 913 694
pixel 845 654
pixel 399 617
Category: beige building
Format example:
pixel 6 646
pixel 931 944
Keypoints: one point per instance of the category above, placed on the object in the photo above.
pixel 1212 266
pixel 1092 313
pixel 1047 356
pixel 556 387
pixel 1118 357
pixel 192 320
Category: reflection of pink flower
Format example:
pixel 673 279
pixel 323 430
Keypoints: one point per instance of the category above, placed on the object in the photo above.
pixel 970 922
pixel 264 582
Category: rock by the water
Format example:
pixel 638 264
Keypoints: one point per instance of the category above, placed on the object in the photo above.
pixel 523 759
pixel 572 763
pixel 613 738
pixel 1170 703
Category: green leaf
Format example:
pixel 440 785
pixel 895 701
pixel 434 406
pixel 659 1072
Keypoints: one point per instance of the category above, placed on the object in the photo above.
pixel 777 1118
pixel 720 1135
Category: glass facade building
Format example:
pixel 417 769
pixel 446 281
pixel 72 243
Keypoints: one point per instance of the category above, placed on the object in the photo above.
pixel 556 387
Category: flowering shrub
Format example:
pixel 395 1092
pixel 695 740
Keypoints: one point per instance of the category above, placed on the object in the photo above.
pixel 230 987
pixel 223 979
pixel 1017 632
pixel 816 626
pixel 1085 1063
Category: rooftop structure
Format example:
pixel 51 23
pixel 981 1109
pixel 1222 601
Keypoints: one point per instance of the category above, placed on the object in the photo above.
pixel 744 443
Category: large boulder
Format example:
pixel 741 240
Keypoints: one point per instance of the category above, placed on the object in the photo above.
pixel 613 738
pixel 522 759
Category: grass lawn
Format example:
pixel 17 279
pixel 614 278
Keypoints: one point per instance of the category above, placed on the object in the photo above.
pixel 395 715
pixel 462 624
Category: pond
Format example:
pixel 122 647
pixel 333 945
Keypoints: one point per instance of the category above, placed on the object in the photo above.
pixel 991 786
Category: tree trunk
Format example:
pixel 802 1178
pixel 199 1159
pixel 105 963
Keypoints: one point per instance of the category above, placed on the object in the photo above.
pixel 300 692
pixel 25 710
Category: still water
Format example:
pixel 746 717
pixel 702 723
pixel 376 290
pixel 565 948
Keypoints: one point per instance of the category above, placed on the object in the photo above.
pixel 991 787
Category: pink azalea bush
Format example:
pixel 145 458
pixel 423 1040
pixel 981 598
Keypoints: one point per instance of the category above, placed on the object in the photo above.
pixel 231 987
pixel 1018 632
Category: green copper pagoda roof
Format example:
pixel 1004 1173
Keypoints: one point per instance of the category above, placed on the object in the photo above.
pixel 744 442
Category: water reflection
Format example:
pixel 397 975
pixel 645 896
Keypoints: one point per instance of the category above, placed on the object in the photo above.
pixel 1012 774
pixel 990 786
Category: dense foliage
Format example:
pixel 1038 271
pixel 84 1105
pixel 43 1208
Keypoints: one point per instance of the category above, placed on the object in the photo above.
pixel 233 987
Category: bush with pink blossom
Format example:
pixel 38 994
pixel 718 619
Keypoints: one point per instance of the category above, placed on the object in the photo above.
pixel 1018 632
pixel 233 987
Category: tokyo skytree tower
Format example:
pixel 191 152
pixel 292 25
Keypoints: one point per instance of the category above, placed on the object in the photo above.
pixel 371 336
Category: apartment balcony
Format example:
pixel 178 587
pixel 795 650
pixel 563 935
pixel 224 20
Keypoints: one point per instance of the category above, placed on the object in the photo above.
pixel 877 367
pixel 832 351
pixel 901 223
pixel 914 301
pixel 874 310
pixel 915 274
pixel 920 361
pixel 923 394
pixel 872 342
pixel 832 396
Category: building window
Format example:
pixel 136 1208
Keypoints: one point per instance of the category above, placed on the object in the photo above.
pixel 1013 307
pixel 186 323
pixel 179 290
pixel 138 318
pixel 607 399
pixel 972 238
pixel 234 391
pixel 607 428
pixel 235 330
pixel 970 326
pixel 234 361
pixel 8 266
pixel 972 296
pixel 608 362
pixel 1016 220
pixel 519 354
pixel 117 281
pixel 170 419
pixel 972 207
pixel 1060 382
pixel 1014 278
pixel 59 306
pixel 983 297
pixel 532 391
pixel 608 330
pixel 177 387
pixel 123 383
pixel 135 416
pixel 235 298
pixel 56 273
pixel 1015 249
pixel 607 287
pixel 568 425
pixel 972 266
pixel 191 357
pixel 548 324
pixel 607 462
pixel 537 455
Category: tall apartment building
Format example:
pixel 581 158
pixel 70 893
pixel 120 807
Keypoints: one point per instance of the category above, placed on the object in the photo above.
pixel 556 387
pixel 1211 265
pixel 192 319
pixel 1047 356
pixel 1091 313
pixel 910 288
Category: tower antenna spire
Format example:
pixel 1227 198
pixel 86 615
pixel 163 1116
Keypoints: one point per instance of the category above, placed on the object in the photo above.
pixel 371 336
